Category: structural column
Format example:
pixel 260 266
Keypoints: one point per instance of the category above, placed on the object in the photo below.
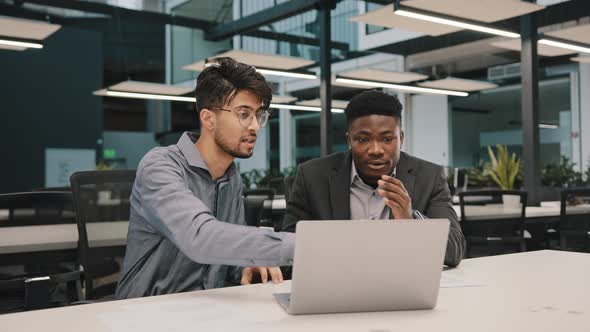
pixel 530 108
pixel 325 8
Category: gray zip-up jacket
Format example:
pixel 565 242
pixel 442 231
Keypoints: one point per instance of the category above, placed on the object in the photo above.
pixel 187 230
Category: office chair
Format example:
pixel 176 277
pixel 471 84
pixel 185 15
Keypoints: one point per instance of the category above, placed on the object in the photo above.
pixel 39 283
pixel 493 234
pixel 101 200
pixel 254 204
pixel 574 219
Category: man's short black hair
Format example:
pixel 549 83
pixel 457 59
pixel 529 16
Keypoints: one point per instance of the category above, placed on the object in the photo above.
pixel 373 102
pixel 222 79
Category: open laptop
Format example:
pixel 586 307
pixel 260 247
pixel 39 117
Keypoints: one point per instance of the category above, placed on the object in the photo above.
pixel 376 265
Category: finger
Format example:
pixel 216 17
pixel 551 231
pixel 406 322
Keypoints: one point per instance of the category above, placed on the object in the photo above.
pixel 392 204
pixel 394 181
pixel 276 275
pixel 401 198
pixel 246 276
pixel 263 274
pixel 389 186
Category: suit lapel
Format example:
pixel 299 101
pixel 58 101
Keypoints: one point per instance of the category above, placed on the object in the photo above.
pixel 405 175
pixel 340 189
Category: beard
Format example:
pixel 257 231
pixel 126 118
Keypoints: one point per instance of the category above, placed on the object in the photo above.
pixel 227 147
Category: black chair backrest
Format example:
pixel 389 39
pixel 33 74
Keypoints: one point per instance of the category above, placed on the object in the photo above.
pixel 493 228
pixel 575 210
pixel 254 204
pixel 32 287
pixel 100 198
pixel 37 208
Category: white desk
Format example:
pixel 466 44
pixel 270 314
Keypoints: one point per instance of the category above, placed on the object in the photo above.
pixel 21 239
pixel 498 211
pixel 544 291
pixel 490 211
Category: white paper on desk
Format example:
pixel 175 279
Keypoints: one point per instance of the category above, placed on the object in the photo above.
pixel 451 281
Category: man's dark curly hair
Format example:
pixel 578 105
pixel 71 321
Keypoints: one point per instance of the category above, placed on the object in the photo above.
pixel 373 102
pixel 222 79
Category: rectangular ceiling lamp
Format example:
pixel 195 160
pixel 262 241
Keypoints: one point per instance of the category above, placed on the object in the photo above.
pixel 286 73
pixel 548 126
pixel 147 90
pixel 451 21
pixel 565 45
pixel 139 95
pixel 12 43
pixel 404 88
pixel 303 108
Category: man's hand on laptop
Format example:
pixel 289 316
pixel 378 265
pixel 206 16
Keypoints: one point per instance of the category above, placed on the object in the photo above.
pixel 396 197
pixel 249 274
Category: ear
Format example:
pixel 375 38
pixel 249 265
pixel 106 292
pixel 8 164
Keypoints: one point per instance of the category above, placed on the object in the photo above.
pixel 401 137
pixel 348 140
pixel 207 118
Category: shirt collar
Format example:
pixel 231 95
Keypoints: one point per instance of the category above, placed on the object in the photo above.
pixel 186 144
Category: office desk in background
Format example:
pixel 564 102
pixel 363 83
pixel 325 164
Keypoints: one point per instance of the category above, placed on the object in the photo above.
pixel 547 210
pixel 543 291
pixel 25 244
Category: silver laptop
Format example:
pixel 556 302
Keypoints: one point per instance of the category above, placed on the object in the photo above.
pixel 376 265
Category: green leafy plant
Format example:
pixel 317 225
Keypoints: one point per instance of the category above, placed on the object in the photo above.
pixel 562 174
pixel 261 177
pixel 503 168
pixel 478 177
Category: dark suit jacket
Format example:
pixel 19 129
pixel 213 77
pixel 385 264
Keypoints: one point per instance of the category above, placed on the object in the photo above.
pixel 321 191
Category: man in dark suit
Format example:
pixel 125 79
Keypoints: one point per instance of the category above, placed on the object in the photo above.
pixel 374 179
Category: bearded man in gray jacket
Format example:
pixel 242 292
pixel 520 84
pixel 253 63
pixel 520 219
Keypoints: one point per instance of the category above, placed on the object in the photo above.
pixel 186 229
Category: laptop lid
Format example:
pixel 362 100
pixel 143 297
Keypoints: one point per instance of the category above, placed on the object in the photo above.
pixel 376 265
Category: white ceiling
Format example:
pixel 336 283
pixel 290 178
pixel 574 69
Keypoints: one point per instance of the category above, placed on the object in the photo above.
pixel 580 33
pixel 386 18
pixel 544 50
pixel 146 87
pixel 279 62
pixel 481 10
pixel 458 84
pixel 283 99
pixel 317 103
pixel 26 29
pixel 581 59
pixel 478 10
pixel 383 76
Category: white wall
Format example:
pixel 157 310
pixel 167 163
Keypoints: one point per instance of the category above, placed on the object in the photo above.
pixel 129 145
pixel 428 133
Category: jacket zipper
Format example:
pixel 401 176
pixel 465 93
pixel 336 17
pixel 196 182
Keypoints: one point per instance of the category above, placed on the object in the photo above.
pixel 206 272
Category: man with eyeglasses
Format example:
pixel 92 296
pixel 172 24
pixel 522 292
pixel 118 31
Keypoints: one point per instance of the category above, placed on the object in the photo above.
pixel 187 230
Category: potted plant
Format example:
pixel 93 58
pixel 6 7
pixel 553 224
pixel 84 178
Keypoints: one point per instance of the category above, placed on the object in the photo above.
pixel 555 176
pixel 503 170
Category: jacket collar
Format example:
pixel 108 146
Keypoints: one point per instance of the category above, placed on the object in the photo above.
pixel 340 189
pixel 193 156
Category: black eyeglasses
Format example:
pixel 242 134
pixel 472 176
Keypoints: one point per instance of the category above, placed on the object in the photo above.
pixel 246 115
